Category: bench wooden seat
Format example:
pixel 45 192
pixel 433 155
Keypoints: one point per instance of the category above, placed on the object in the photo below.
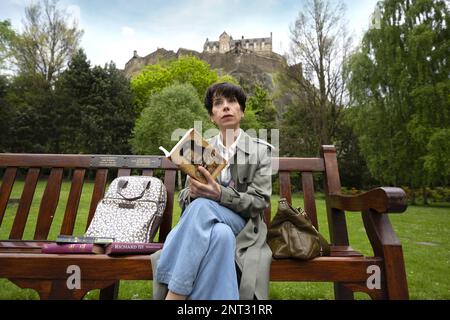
pixel 50 267
pixel 22 263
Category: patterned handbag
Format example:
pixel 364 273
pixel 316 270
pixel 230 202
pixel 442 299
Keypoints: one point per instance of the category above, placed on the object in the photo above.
pixel 131 210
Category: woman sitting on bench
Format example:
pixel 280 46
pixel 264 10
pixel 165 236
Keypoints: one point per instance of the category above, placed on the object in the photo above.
pixel 218 248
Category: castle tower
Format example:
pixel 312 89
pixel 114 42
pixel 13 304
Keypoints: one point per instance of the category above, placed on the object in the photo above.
pixel 226 44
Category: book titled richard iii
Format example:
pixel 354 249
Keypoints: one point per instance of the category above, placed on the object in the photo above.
pixel 191 151
pixel 119 248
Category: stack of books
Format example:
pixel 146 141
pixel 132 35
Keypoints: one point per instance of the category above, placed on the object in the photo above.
pixel 97 245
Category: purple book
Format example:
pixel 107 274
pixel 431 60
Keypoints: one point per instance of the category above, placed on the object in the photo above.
pixel 73 248
pixel 117 248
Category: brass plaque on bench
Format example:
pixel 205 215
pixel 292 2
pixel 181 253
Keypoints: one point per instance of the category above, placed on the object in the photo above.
pixel 125 162
pixel 142 162
pixel 107 161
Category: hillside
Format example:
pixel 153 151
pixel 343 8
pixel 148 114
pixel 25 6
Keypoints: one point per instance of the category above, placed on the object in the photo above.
pixel 247 67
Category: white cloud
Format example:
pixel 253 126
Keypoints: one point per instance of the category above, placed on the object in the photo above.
pixel 74 12
pixel 128 31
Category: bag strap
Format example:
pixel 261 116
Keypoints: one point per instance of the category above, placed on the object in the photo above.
pixel 122 184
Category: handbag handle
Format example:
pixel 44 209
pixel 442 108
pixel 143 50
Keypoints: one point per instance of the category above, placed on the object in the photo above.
pixel 297 211
pixel 122 184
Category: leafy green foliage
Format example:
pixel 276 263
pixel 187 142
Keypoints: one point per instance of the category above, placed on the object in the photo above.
pixel 87 110
pixel 5 113
pixel 175 107
pixel 32 117
pixel 437 160
pixel 6 37
pixel 96 110
pixel 73 90
pixel 188 69
pixel 352 166
pixel 399 83
pixel 261 105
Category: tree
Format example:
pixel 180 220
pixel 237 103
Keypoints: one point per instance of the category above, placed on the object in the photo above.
pixel 109 115
pixel 73 90
pixel 47 42
pixel 180 104
pixel 399 83
pixel 315 77
pixel 154 78
pixel 6 38
pixel 6 114
pixel 353 169
pixel 33 119
pixel 261 104
pixel 437 160
pixel 95 108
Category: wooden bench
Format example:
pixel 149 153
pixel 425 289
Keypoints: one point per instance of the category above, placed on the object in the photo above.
pixel 22 263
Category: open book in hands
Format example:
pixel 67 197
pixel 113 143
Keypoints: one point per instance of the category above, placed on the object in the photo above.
pixel 192 151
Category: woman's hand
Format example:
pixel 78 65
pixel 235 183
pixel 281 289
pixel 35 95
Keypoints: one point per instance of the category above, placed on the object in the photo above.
pixel 209 190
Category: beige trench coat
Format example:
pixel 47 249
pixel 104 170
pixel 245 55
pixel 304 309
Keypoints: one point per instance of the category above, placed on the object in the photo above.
pixel 251 173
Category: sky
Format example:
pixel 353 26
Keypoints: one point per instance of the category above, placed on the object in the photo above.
pixel 113 29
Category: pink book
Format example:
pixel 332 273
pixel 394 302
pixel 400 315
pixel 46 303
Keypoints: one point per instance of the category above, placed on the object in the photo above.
pixel 117 248
pixel 73 248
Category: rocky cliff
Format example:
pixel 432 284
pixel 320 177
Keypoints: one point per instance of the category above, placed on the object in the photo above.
pixel 247 67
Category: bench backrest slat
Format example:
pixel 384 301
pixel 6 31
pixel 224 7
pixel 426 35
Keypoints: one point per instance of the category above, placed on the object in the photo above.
pixel 26 199
pixel 76 189
pixel 299 164
pixel 268 214
pixel 166 224
pixel 308 197
pixel 147 172
pixel 123 172
pixel 49 203
pixel 6 188
pixel 99 190
pixel 285 186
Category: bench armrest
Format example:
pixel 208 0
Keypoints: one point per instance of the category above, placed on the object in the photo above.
pixel 382 200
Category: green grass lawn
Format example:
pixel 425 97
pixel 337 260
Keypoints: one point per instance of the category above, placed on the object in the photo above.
pixel 423 231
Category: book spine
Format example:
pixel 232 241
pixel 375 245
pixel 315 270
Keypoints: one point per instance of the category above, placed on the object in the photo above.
pixel 75 239
pixel 128 248
pixel 69 248
pixel 83 239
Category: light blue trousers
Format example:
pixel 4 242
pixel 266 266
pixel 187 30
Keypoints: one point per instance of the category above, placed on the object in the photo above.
pixel 198 257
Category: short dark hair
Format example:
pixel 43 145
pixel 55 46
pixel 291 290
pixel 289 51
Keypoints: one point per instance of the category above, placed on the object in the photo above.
pixel 227 90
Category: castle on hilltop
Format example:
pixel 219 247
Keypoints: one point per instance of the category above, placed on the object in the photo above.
pixel 226 44
pixel 238 57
